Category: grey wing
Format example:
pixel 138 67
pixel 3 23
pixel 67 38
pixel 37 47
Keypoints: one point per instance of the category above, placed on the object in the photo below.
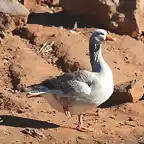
pixel 76 84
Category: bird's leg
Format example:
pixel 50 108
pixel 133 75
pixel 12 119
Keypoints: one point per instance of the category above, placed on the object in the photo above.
pixel 80 126
pixel 67 113
pixel 64 103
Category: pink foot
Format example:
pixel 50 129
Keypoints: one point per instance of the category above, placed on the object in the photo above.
pixel 84 129
pixel 68 114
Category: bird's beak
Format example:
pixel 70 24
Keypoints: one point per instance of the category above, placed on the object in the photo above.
pixel 108 37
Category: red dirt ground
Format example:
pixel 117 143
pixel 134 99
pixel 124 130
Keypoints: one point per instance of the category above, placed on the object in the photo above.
pixel 121 124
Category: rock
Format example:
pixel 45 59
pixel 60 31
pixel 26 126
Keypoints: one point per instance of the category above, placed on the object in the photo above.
pixel 116 15
pixel 129 91
pixel 12 15
pixel 131 123
pixel 122 92
pixel 137 90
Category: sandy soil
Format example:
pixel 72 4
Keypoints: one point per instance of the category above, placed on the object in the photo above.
pixel 120 124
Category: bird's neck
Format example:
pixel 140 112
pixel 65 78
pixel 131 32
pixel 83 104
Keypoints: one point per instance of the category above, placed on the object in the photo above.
pixel 99 65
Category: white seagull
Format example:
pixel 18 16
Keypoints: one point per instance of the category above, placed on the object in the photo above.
pixel 76 92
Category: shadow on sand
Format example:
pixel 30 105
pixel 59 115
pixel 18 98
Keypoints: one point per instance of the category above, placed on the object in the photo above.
pixel 15 121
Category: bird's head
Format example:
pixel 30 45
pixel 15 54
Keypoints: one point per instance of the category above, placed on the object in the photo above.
pixel 102 35
pixel 95 41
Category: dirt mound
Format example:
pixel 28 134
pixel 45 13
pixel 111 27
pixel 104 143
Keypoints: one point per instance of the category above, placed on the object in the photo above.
pixel 27 62
pixel 12 103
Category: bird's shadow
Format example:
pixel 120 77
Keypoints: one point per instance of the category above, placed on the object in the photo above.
pixel 14 121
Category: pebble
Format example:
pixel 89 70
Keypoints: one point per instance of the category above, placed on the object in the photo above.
pixel 121 123
pixel 130 119
pixel 130 123
pixel 61 27
pixel 75 25
pixel 20 111
pixel 141 140
pixel 34 133
pixel 5 61
pixel 121 17
pixel 118 68
pixel 54 60
pixel 112 117
pixel 114 62
pixel 81 137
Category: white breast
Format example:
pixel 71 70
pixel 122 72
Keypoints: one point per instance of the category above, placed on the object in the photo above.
pixel 102 89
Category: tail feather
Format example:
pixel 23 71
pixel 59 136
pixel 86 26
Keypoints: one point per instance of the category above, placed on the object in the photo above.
pixel 42 88
pixel 36 90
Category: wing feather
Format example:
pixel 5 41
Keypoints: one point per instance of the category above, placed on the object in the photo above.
pixel 75 82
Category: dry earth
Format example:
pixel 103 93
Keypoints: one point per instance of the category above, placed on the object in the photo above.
pixel 120 124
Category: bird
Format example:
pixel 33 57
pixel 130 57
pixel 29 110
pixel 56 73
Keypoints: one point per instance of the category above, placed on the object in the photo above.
pixel 76 92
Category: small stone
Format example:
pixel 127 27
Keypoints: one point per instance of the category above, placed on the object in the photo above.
pixel 112 117
pixel 20 111
pixel 2 34
pixel 103 125
pixel 115 62
pixel 87 53
pixel 34 133
pixel 134 34
pixel 121 17
pixel 118 68
pixel 54 111
pixel 106 131
pixel 75 26
pixel 130 119
pixel 141 140
pixel 81 137
pixel 113 25
pixel 53 35
pixel 130 123
pixel 54 60
pixel 49 61
pixel 121 123
pixel 136 74
pixel 61 27
pixel 5 61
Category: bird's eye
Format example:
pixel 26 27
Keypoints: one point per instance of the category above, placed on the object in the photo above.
pixel 101 33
